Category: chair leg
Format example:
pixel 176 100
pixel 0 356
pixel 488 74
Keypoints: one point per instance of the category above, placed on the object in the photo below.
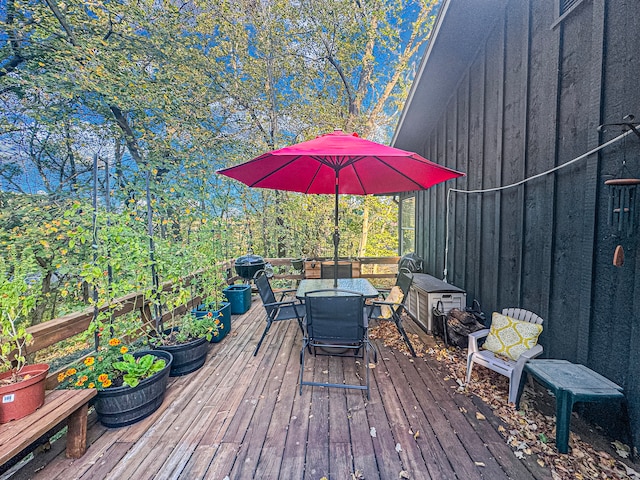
pixel 398 322
pixel 366 365
pixel 264 334
pixel 301 366
pixel 469 367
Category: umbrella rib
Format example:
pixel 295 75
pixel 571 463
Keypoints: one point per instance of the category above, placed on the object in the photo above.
pixel 275 171
pixel 313 179
pixel 400 173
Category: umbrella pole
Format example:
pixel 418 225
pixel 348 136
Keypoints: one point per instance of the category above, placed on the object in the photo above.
pixel 336 239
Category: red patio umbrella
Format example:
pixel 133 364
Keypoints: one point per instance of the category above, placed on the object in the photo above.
pixel 338 163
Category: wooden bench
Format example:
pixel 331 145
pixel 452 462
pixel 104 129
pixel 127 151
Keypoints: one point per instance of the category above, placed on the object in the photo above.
pixel 59 405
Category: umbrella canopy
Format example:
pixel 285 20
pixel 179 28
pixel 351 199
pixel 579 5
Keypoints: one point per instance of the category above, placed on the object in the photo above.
pixel 337 163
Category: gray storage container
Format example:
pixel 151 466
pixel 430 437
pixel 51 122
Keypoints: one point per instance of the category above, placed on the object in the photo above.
pixel 425 294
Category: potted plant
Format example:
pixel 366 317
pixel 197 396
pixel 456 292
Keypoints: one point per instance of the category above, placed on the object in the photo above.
pixel 213 304
pixel 22 386
pixel 188 342
pixel 130 386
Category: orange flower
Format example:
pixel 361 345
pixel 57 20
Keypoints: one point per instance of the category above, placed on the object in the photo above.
pixel 106 384
pixel 217 322
pixel 89 361
pixel 209 314
pixel 79 383
pixel 92 385
pixel 61 376
pixel 83 378
pixel 102 378
pixel 71 371
pixel 123 350
pixel 114 342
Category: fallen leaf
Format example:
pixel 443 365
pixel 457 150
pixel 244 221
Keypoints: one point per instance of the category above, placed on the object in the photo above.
pixel 621 449
pixel 480 416
pixel 416 435
pixel 404 474
pixel 480 464
pixel 373 432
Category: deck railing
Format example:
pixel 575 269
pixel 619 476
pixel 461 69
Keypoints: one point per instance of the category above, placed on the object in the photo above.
pixel 48 334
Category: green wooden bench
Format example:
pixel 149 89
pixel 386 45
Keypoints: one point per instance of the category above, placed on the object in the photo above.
pixel 570 383
pixel 59 405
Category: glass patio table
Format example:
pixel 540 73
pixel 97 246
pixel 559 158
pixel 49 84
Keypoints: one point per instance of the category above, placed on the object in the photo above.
pixel 358 285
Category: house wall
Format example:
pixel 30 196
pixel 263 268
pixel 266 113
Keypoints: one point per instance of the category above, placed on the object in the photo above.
pixel 532 99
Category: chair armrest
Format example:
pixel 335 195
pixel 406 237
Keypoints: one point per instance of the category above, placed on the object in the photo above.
pixel 280 304
pixel 533 352
pixel 379 303
pixel 474 337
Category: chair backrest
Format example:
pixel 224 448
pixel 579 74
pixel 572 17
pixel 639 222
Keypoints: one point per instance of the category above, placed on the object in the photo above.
pixel 264 289
pixel 404 281
pixel 327 270
pixel 522 314
pixel 335 316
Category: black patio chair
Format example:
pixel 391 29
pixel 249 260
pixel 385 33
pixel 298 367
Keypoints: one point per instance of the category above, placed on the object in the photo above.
pixel 376 311
pixel 276 310
pixel 335 324
pixel 327 270
pixel 404 279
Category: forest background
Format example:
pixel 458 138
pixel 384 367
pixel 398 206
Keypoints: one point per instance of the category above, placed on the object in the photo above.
pixel 114 116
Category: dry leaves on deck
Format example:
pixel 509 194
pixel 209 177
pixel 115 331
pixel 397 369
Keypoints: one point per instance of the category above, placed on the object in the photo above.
pixel 528 431
pixel 388 333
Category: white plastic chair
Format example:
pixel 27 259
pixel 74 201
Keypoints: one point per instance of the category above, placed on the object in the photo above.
pixel 504 366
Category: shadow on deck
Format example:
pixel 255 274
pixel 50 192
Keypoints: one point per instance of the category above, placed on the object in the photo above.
pixel 241 417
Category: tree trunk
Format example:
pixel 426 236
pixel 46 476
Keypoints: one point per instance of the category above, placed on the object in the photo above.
pixel 365 230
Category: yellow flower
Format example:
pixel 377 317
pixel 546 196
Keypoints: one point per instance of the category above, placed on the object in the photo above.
pixel 79 384
pixel 92 385
pixel 102 378
pixel 114 342
pixel 106 384
pixel 89 361
pixel 123 349
pixel 71 371
pixel 61 376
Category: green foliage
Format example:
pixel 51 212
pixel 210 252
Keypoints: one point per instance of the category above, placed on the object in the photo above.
pixel 110 364
pixel 136 369
pixel 178 92
pixel 18 295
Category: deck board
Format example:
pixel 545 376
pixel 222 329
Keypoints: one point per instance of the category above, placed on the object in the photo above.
pixel 242 416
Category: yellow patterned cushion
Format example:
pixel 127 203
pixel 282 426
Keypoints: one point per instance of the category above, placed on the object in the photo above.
pixel 395 296
pixel 511 337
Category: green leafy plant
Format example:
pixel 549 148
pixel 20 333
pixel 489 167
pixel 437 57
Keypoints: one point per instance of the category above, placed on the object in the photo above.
pixel 136 369
pixel 188 328
pixel 112 365
pixel 17 299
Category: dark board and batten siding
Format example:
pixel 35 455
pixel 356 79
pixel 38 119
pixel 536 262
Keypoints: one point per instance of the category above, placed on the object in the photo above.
pixel 530 98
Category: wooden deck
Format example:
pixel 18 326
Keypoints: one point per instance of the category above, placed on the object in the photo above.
pixel 241 417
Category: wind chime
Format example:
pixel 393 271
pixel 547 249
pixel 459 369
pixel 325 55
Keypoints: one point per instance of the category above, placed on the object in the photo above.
pixel 623 193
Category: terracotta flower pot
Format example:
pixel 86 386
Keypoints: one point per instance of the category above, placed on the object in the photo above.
pixel 18 400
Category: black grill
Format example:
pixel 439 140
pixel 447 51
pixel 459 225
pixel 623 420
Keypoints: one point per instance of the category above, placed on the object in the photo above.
pixel 248 265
